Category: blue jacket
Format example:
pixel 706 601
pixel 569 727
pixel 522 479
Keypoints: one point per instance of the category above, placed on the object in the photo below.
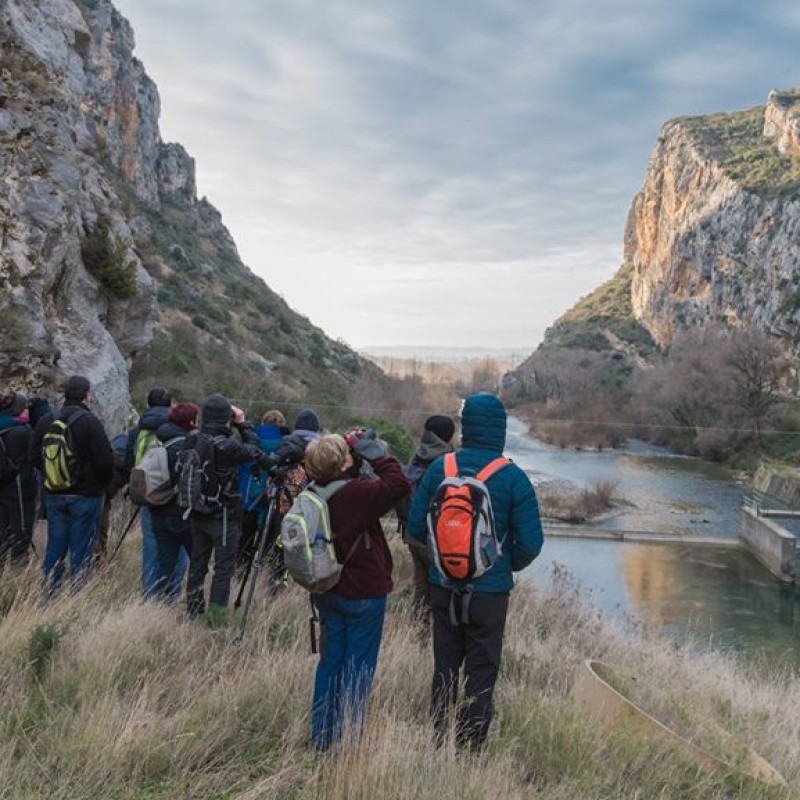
pixel 516 510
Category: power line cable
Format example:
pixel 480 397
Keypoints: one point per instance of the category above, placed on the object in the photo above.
pixel 540 420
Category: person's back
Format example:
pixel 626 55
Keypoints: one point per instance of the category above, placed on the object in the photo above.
pixel 171 527
pixel 436 441
pixel 140 438
pixel 469 617
pixel 17 479
pixel 78 463
pixel 218 531
pixel 352 612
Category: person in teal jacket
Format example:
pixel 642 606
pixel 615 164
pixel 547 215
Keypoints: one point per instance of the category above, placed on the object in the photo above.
pixel 469 617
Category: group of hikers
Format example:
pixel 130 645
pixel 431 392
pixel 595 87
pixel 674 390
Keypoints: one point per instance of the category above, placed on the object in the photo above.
pixel 208 482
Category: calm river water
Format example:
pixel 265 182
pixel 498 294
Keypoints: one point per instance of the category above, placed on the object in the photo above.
pixel 717 597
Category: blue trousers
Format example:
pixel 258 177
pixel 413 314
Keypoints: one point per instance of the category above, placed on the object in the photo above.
pixel 151 572
pixel 73 525
pixel 173 542
pixel 349 646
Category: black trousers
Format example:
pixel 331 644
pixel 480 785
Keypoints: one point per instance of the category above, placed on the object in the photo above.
pixel 218 535
pixel 476 645
pixel 17 511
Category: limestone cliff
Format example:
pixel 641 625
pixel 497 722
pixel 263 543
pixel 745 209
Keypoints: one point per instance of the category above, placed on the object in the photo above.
pixel 109 263
pixel 712 237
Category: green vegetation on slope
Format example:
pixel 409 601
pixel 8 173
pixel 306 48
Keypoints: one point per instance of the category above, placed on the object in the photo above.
pixel 602 320
pixel 736 141
pixel 221 328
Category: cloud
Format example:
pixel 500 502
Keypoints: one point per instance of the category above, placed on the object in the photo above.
pixel 411 151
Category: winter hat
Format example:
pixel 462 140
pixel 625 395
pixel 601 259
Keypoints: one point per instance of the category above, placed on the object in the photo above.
pixel 184 414
pixel 307 421
pixel 76 387
pixel 12 404
pixel 442 426
pixel 217 409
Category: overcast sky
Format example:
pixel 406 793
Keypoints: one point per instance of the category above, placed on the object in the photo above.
pixel 449 172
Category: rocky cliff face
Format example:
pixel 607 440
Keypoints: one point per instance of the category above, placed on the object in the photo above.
pixel 110 266
pixel 712 237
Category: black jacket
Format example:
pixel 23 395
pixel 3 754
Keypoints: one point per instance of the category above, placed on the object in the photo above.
pixel 17 438
pixel 92 450
pixel 230 452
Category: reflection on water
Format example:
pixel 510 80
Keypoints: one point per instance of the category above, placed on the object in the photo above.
pixel 666 493
pixel 717 597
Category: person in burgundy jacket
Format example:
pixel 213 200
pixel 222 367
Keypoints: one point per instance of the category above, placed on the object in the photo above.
pixel 352 612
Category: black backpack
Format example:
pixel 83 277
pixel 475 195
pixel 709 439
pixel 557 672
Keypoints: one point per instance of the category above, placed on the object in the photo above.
pixel 9 469
pixel 198 485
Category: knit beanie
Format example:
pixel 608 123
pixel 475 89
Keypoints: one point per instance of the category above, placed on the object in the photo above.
pixel 184 414
pixel 442 426
pixel 76 388
pixel 12 404
pixel 307 421
pixel 217 409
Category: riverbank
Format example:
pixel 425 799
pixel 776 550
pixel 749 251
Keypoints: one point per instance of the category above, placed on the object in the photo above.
pixel 106 697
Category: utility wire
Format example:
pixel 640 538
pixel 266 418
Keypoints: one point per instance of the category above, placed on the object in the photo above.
pixel 541 420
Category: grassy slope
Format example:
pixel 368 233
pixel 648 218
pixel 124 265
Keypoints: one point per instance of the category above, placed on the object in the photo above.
pixel 735 140
pixel 135 702
pixel 602 320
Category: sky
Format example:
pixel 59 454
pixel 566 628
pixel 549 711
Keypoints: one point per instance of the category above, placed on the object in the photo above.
pixel 451 172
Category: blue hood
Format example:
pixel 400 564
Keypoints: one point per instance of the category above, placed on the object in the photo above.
pixel 483 422
pixel 153 418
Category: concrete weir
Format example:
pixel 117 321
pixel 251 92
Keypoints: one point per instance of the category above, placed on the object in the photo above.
pixel 769 543
pixel 766 540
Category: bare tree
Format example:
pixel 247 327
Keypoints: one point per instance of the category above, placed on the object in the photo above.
pixel 761 367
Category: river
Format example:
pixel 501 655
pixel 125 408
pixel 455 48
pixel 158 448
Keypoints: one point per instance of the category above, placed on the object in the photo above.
pixel 712 596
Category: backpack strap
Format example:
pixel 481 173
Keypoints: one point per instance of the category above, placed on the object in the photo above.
pixel 328 490
pixel 451 467
pixel 491 468
pixel 75 415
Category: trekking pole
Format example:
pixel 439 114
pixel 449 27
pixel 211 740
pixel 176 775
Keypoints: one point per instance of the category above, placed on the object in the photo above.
pixel 125 533
pixel 258 560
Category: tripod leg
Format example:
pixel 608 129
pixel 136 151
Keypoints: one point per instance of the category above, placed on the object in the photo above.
pixel 257 562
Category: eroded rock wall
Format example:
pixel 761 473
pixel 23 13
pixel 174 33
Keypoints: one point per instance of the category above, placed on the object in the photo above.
pixel 707 248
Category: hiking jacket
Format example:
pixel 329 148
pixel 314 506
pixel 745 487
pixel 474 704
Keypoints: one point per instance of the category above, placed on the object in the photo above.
pixel 516 510
pixel 356 511
pixel 16 435
pixel 151 420
pixel 91 446
pixel 166 433
pixel 430 448
pixel 230 452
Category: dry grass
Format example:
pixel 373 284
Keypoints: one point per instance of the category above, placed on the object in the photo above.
pixel 102 696
pixel 565 502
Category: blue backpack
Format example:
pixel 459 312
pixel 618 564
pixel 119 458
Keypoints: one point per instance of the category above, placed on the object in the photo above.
pixel 253 484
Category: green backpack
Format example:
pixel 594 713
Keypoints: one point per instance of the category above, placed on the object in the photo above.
pixel 60 464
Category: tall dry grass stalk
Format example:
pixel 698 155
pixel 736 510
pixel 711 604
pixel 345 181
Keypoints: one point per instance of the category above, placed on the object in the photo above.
pixel 103 696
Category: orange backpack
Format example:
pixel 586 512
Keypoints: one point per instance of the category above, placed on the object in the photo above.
pixel 462 539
